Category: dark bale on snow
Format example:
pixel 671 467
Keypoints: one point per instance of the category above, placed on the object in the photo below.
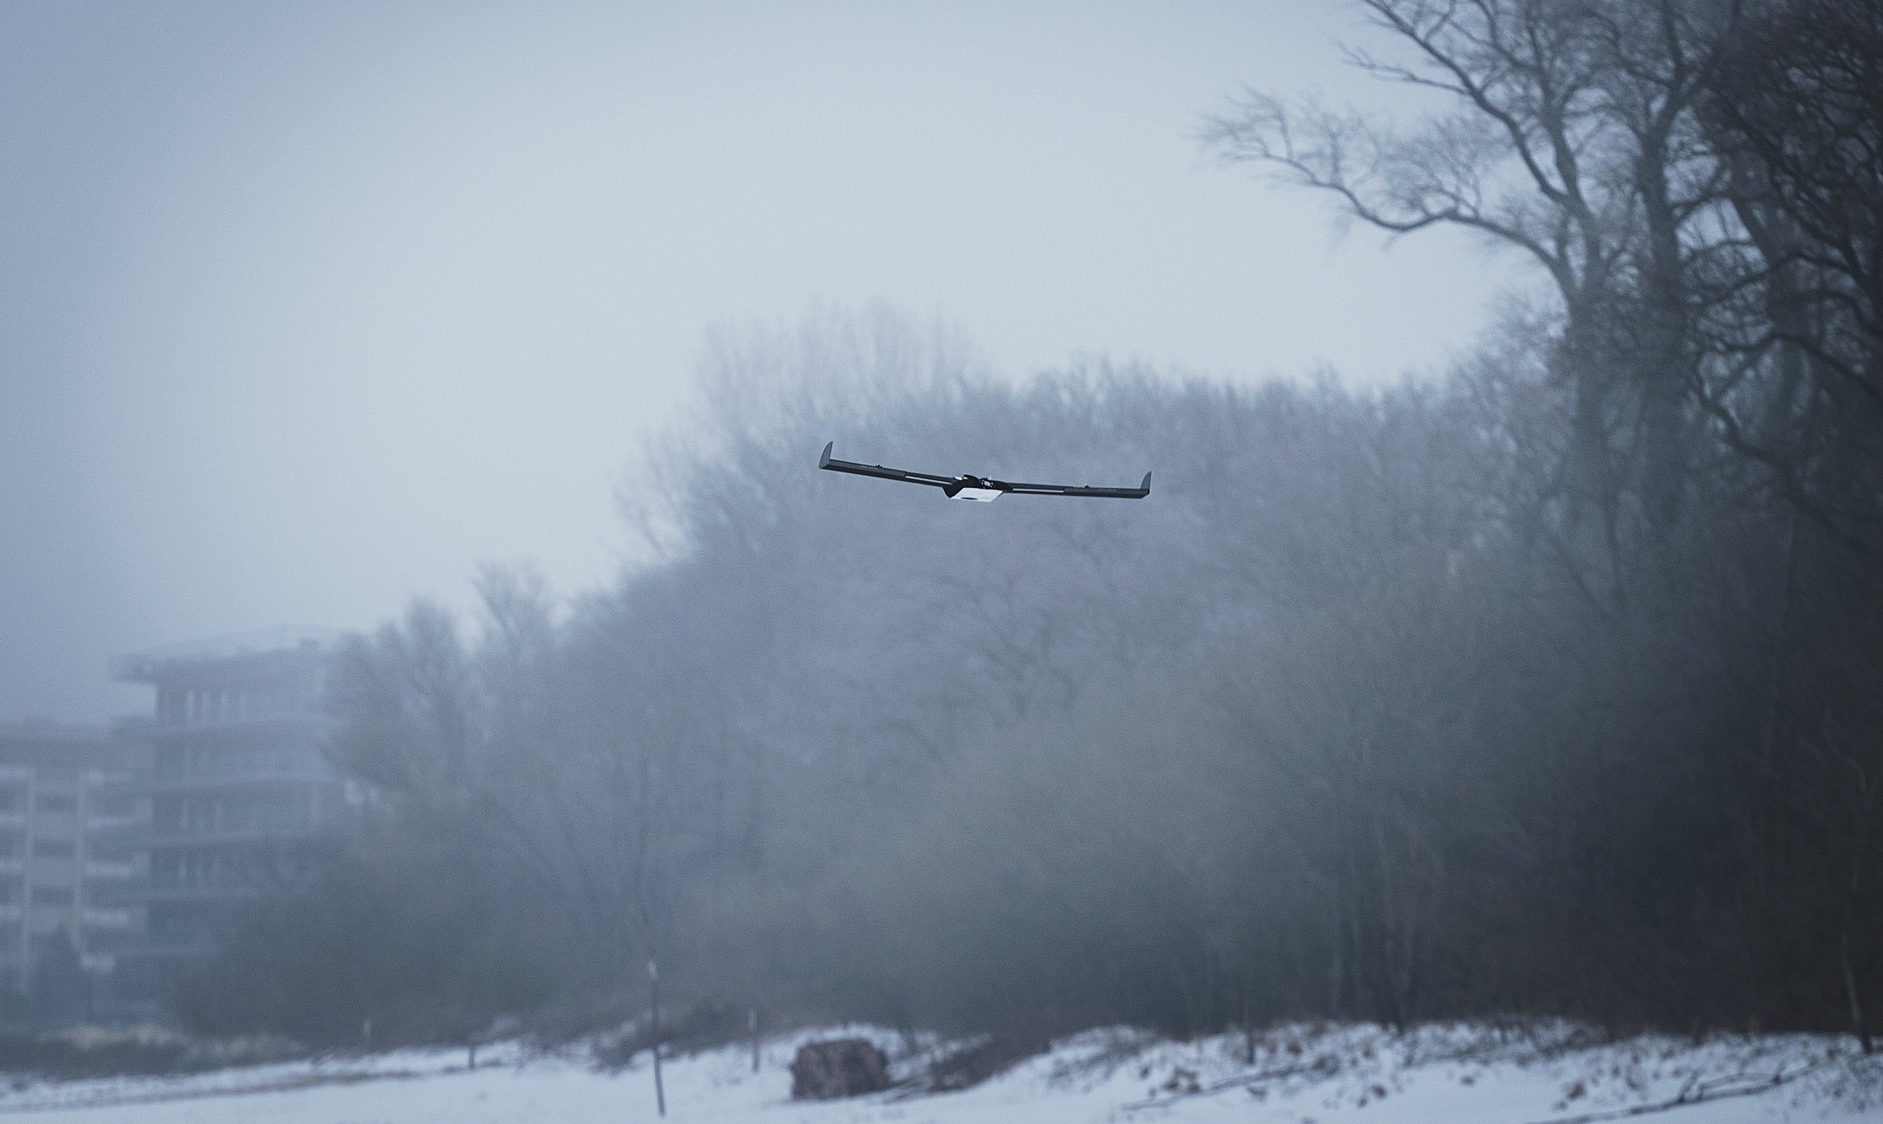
pixel 843 1067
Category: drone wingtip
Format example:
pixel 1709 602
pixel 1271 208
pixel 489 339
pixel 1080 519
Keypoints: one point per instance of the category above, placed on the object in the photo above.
pixel 823 458
pixel 1146 486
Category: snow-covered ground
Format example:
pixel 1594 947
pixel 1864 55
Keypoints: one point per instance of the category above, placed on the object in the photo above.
pixel 1300 1075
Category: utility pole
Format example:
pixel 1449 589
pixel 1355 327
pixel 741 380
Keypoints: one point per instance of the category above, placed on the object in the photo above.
pixel 653 981
pixel 751 1024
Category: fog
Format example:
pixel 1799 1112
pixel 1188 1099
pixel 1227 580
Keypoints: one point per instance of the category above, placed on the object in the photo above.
pixel 312 307
pixel 1498 646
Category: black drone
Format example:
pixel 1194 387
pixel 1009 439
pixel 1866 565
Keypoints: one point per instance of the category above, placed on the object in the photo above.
pixel 980 487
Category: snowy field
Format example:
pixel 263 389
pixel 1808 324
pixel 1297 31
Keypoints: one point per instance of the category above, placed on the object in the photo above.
pixel 1300 1075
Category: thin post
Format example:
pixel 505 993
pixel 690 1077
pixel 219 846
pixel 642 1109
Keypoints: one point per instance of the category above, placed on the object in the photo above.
pixel 751 1024
pixel 653 981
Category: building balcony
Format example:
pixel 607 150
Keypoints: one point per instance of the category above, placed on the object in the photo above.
pixel 172 725
pixel 167 948
pixel 142 891
pixel 161 839
pixel 271 643
pixel 172 783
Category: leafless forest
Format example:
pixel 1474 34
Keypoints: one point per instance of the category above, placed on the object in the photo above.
pixel 1550 685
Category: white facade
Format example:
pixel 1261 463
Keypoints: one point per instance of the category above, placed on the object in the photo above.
pixel 241 799
pixel 70 820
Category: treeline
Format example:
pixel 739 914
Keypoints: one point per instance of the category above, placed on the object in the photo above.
pixel 1553 685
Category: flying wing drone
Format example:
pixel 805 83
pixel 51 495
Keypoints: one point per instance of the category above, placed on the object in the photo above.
pixel 980 487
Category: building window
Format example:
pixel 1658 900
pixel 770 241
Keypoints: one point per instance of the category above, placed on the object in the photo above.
pixel 53 895
pixel 9 846
pixel 12 799
pixel 114 806
pixel 53 849
pixel 56 802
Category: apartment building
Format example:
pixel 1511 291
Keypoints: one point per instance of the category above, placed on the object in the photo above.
pixel 242 800
pixel 70 820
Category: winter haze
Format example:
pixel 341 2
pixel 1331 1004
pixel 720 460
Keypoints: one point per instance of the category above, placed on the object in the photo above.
pixel 1480 716
pixel 309 308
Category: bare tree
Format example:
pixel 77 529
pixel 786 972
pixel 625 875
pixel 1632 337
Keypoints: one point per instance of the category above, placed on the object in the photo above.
pixel 1798 385
pixel 1571 139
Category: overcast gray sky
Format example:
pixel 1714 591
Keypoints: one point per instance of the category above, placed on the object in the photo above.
pixel 311 307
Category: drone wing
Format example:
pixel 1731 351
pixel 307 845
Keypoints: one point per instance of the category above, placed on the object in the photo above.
pixel 1143 489
pixel 877 470
pixel 980 488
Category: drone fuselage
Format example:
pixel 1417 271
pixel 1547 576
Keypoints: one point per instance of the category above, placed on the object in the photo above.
pixel 975 491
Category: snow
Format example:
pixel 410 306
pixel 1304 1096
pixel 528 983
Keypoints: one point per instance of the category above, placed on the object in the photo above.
pixel 1300 1075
